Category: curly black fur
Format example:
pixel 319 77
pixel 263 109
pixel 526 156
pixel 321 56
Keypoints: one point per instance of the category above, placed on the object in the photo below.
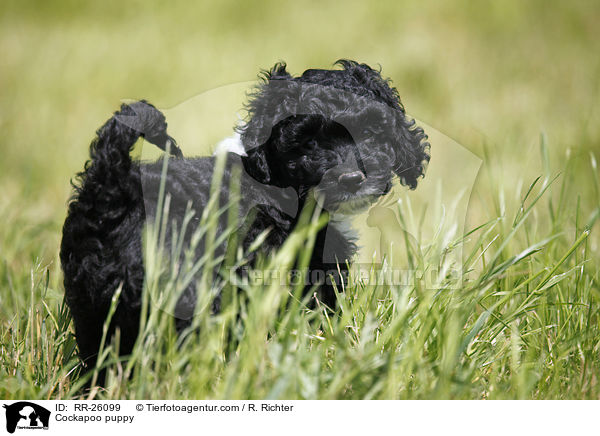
pixel 341 134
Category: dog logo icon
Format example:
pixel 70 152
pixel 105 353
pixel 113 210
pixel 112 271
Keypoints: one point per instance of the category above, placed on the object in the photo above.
pixel 26 415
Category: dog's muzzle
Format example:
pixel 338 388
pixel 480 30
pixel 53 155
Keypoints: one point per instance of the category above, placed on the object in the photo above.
pixel 351 181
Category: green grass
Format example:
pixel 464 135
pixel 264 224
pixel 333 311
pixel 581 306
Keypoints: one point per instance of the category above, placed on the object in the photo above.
pixel 521 320
pixel 513 324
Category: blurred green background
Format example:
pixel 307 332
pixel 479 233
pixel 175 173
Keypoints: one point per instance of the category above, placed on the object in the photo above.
pixel 491 75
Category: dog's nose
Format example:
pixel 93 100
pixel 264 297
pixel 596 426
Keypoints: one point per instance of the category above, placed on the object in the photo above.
pixel 352 181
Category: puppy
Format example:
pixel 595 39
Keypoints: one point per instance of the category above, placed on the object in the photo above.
pixel 339 136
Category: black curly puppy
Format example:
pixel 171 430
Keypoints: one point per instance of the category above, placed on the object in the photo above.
pixel 340 135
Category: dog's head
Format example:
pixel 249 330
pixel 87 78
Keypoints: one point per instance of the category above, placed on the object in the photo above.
pixel 343 132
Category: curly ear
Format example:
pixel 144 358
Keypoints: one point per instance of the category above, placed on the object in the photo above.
pixel 256 165
pixel 263 108
pixel 410 147
pixel 411 151
pixel 264 104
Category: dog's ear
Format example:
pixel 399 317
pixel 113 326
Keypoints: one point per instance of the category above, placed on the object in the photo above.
pixel 264 110
pixel 256 165
pixel 264 105
pixel 409 142
pixel 411 151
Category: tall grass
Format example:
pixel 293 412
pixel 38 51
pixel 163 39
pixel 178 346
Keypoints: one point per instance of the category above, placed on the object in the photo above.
pixel 519 320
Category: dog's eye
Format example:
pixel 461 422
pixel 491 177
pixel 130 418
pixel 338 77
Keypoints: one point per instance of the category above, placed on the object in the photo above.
pixel 311 144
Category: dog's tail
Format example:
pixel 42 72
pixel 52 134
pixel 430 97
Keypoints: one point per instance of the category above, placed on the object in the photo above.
pixel 97 259
pixel 106 179
pixel 109 151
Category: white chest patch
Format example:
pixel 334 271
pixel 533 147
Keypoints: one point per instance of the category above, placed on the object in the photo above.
pixel 231 144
